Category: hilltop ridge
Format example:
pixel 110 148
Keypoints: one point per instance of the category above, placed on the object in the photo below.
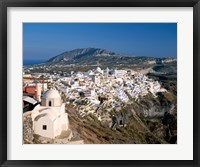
pixel 81 54
pixel 85 57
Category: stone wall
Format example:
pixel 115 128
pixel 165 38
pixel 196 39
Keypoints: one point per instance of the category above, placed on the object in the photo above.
pixel 27 128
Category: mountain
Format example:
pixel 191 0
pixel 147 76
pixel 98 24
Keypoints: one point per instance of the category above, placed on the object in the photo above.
pixel 96 56
pixel 86 59
pixel 80 54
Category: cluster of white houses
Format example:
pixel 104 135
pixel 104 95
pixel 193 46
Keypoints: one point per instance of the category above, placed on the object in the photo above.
pixel 111 88
pixel 88 91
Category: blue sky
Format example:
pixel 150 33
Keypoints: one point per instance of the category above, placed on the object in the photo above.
pixel 41 41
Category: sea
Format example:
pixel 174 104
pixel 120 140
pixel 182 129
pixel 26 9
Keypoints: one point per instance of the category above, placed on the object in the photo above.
pixel 32 62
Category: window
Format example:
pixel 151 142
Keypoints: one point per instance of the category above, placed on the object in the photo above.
pixel 44 127
pixel 49 103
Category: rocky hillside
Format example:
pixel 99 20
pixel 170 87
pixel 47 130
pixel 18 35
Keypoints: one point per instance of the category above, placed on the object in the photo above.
pixel 148 120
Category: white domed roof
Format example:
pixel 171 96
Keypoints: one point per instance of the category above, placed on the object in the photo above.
pixel 90 73
pixel 98 69
pixel 51 94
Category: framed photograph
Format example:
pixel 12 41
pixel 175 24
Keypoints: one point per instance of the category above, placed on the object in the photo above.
pixel 99 83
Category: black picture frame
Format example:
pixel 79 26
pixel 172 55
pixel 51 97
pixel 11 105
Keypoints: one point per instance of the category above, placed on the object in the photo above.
pixel 4 4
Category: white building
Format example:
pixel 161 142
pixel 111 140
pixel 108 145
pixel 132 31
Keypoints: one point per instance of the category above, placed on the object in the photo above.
pixel 120 73
pixel 49 118
pixel 98 70
pixel 95 79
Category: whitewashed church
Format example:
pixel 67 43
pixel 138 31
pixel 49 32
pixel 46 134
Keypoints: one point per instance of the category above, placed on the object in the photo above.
pixel 49 118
